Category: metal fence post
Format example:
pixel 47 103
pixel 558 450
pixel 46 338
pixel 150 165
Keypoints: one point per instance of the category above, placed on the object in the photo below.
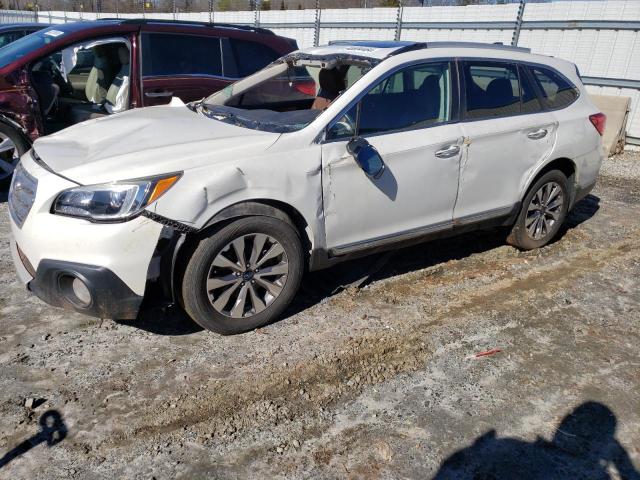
pixel 256 13
pixel 211 11
pixel 399 22
pixel 316 26
pixel 519 17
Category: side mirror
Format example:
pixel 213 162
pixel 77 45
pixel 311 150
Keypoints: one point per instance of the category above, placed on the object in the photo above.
pixel 366 156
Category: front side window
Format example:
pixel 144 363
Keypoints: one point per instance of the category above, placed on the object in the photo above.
pixel 557 92
pixel 415 97
pixel 166 54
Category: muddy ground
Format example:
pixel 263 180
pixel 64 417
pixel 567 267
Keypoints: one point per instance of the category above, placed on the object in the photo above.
pixel 374 382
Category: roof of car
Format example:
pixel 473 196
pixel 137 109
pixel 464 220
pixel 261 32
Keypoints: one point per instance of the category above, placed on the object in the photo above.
pixel 188 23
pixel 134 22
pixel 21 26
pixel 382 49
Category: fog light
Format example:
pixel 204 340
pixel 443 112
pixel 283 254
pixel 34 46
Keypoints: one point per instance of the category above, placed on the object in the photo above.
pixel 81 292
pixel 75 291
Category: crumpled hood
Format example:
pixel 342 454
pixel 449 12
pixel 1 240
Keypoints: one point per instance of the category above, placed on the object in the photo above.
pixel 145 142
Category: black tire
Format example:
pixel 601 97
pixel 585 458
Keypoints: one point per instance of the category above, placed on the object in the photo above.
pixel 195 297
pixel 21 147
pixel 520 237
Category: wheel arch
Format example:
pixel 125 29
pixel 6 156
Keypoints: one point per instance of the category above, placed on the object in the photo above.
pixel 245 208
pixel 263 207
pixel 17 128
pixel 567 166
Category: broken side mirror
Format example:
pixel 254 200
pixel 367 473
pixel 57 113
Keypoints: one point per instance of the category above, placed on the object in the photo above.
pixel 366 156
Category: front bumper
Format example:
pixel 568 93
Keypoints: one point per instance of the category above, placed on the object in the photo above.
pixel 109 295
pixel 112 260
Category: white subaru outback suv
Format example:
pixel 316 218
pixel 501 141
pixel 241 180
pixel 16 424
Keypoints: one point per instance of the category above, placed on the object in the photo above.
pixel 327 153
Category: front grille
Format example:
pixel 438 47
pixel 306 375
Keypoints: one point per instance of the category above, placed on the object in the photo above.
pixel 21 194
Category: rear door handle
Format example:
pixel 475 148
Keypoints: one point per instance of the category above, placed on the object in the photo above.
pixel 448 151
pixel 166 93
pixel 538 134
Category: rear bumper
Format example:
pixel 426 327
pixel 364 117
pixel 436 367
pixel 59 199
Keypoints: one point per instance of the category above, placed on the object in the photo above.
pixel 582 192
pixel 110 297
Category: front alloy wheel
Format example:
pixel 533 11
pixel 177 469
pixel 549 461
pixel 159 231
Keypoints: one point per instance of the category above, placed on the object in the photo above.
pixel 244 275
pixel 247 275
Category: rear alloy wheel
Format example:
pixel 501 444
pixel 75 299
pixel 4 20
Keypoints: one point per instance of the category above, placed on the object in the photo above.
pixel 543 212
pixel 11 148
pixel 244 275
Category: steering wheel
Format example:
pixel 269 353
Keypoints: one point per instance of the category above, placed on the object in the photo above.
pixel 50 67
pixel 345 126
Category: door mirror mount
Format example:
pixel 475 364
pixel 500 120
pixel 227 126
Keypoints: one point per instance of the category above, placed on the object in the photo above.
pixel 366 156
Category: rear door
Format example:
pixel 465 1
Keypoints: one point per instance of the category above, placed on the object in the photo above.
pixel 507 133
pixel 181 65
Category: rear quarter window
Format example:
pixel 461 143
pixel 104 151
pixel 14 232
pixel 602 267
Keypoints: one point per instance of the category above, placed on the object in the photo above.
pixel 243 57
pixel 556 91
pixel 170 54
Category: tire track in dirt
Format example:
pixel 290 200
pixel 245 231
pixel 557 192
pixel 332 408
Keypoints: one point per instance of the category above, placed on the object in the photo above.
pixel 227 409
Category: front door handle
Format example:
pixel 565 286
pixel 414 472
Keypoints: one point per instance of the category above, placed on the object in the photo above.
pixel 448 151
pixel 166 93
pixel 538 134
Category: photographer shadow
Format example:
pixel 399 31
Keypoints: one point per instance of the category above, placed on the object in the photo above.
pixel 583 446
pixel 52 431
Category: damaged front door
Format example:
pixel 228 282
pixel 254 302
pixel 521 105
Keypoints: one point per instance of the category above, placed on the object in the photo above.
pixel 407 119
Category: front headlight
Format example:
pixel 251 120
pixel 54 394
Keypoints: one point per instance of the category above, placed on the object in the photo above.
pixel 112 202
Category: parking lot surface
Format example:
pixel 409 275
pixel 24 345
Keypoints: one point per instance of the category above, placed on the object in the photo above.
pixel 374 382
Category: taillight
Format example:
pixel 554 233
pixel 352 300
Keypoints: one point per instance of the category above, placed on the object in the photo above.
pixel 306 87
pixel 599 120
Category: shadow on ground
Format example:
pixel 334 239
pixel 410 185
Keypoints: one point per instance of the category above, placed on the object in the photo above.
pixel 318 286
pixel 583 446
pixel 52 431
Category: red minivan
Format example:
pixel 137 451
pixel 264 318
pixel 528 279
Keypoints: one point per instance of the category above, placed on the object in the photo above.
pixel 74 72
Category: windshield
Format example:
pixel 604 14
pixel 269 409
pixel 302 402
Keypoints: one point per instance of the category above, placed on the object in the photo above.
pixel 284 97
pixel 25 45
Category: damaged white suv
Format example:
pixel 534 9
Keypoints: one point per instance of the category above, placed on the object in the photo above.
pixel 327 153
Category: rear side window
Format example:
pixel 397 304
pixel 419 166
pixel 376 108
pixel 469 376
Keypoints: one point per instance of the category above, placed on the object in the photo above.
pixel 492 89
pixel 242 57
pixel 176 54
pixel 557 92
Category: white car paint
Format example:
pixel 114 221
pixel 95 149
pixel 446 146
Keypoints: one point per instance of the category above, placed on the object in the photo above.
pixel 223 165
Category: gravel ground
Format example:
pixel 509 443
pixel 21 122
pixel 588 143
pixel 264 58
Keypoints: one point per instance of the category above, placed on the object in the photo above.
pixel 378 382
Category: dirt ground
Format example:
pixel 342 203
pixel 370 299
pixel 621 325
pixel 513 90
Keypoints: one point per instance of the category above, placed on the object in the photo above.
pixel 376 382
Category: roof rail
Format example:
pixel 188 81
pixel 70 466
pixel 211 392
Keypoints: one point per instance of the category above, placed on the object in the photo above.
pixel 146 21
pixel 497 46
pixel 421 45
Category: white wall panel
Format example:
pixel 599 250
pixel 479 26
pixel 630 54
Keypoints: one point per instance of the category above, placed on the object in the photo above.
pixel 605 53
